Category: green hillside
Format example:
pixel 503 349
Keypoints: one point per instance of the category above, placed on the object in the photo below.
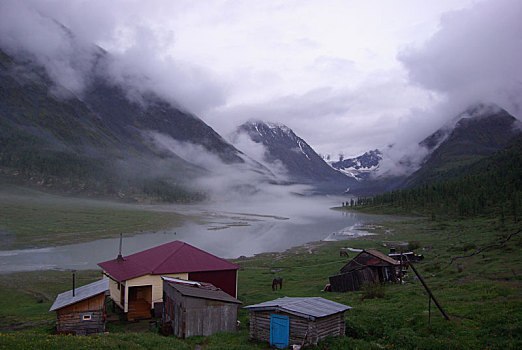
pixel 490 186
pixel 97 144
pixel 484 130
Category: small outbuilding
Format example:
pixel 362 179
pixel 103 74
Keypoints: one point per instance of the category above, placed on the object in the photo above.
pixel 369 266
pixel 197 308
pixel 81 310
pixel 299 321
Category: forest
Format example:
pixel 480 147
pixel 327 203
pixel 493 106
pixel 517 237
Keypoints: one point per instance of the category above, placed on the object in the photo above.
pixel 491 186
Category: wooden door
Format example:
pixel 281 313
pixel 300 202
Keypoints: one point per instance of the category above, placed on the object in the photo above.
pixel 279 331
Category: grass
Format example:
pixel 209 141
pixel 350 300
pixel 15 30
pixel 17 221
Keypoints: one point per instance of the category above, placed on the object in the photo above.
pixel 481 294
pixel 50 220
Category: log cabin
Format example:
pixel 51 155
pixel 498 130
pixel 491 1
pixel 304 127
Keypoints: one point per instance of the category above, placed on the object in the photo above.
pixel 369 266
pixel 299 321
pixel 81 311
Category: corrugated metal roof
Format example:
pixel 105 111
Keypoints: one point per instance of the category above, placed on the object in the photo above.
pixel 172 257
pixel 307 307
pixel 203 293
pixel 80 293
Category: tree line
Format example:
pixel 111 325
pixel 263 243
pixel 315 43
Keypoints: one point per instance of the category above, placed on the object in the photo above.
pixel 492 185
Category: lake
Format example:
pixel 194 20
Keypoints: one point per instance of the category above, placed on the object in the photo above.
pixel 230 230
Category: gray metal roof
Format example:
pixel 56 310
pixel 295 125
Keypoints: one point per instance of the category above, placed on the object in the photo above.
pixel 203 293
pixel 310 307
pixel 80 293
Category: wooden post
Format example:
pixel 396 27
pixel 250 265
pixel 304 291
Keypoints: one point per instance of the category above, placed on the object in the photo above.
pixel 429 310
pixel 400 273
pixel 428 290
pixel 74 282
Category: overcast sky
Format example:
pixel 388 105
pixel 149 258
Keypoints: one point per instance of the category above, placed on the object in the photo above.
pixel 346 76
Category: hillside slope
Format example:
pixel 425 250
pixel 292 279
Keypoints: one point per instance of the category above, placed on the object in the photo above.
pixel 100 143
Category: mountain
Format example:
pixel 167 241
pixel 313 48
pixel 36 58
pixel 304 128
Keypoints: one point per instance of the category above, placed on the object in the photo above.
pixel 480 131
pixel 300 162
pixel 490 186
pixel 361 167
pixel 102 142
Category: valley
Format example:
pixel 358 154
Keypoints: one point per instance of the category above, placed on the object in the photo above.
pixel 480 293
pixel 255 152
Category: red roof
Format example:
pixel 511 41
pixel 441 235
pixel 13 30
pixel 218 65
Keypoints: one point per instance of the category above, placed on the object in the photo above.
pixel 173 257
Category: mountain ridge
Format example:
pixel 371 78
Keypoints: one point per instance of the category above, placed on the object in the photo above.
pixel 302 164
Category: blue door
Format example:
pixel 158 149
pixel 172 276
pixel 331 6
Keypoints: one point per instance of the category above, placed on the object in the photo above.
pixel 279 331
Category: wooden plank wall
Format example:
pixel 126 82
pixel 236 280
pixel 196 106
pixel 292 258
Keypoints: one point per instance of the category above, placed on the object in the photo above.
pixel 333 325
pixel 197 316
pixel 206 319
pixel 300 327
pixel 71 322
pixel 70 317
pixel 95 303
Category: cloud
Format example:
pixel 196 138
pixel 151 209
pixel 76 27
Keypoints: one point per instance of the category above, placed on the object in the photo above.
pixel 258 152
pixel 229 181
pixel 331 73
pixel 474 57
pixel 26 33
pixel 62 37
pixel 348 120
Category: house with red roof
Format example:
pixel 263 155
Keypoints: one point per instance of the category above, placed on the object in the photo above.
pixel 135 280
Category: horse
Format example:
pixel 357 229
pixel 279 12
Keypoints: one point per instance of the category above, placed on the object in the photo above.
pixel 343 253
pixel 277 281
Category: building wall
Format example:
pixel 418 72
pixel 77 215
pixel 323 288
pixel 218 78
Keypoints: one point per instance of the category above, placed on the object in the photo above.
pixel 226 280
pixel 197 316
pixel 333 325
pixel 114 290
pixel 300 327
pixel 70 318
pixel 147 280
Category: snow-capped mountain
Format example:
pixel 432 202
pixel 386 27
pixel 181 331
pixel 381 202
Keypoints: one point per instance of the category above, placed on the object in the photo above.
pixel 361 167
pixel 299 161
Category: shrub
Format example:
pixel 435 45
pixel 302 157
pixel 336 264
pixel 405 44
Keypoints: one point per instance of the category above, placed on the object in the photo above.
pixel 413 245
pixel 372 290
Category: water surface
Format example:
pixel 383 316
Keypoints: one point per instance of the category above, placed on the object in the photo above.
pixel 231 230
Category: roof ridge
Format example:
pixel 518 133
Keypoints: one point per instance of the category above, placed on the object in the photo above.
pixel 209 254
pixel 168 255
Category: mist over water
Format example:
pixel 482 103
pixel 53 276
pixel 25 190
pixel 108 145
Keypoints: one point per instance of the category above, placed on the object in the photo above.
pixel 231 230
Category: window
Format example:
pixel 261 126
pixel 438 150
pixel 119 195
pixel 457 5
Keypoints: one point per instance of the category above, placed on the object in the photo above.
pixel 87 316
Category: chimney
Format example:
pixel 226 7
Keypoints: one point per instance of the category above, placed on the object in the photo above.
pixel 74 287
pixel 119 258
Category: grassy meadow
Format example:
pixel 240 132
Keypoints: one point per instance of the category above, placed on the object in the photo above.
pixel 41 220
pixel 481 293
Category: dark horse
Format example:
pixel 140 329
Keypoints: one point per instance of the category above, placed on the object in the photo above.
pixel 277 281
pixel 343 253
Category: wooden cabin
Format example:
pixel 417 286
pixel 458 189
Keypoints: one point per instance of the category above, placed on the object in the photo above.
pixel 193 308
pixel 286 321
pixel 135 280
pixel 81 310
pixel 369 266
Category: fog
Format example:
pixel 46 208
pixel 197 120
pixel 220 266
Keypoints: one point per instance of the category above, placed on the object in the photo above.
pixel 229 229
pixel 344 79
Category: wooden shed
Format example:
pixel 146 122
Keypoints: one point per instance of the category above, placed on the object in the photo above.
pixel 81 311
pixel 369 266
pixel 135 280
pixel 286 321
pixel 194 308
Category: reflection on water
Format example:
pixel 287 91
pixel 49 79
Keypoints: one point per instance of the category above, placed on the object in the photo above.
pixel 237 234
